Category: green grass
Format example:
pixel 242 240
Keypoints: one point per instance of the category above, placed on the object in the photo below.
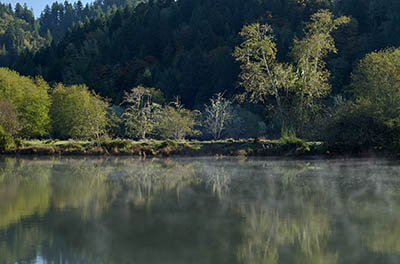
pixel 289 145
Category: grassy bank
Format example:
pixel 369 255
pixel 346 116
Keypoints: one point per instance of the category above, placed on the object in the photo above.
pixel 248 147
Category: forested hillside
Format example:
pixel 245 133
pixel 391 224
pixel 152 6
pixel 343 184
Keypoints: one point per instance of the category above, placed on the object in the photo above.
pixel 186 48
pixel 55 20
pixel 21 32
pixel 181 47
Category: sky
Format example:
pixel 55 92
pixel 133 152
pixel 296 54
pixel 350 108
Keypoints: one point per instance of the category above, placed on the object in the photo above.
pixel 38 5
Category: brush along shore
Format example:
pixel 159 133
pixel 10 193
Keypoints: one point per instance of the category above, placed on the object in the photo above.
pixel 230 147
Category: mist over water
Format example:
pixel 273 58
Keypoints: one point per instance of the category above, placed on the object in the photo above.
pixel 199 210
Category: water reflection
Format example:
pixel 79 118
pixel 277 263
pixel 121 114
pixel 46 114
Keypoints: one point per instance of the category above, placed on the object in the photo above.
pixel 125 210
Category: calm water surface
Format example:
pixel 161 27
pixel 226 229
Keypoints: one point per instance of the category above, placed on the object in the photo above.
pixel 125 210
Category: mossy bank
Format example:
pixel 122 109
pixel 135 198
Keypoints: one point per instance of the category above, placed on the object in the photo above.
pixel 248 147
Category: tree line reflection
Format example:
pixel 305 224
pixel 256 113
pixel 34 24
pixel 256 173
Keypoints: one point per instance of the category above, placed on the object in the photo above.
pixel 122 210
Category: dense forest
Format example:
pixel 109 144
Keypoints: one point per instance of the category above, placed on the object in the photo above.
pixel 186 48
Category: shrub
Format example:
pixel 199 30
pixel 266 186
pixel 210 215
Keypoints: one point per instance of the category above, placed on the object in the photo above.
pixel 9 118
pixel 289 141
pixel 245 124
pixel 78 113
pixel 177 122
pixel 6 141
pixel 31 100
pixel 372 119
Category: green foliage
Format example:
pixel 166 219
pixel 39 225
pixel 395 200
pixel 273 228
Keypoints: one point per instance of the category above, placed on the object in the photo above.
pixel 309 54
pixel 117 143
pixel 262 76
pixel 18 142
pixel 157 44
pixel 377 79
pixel 6 141
pixel 294 87
pixel 351 128
pixel 116 125
pixel 184 48
pixel 31 100
pixel 78 113
pixel 289 141
pixel 373 120
pixel 180 47
pixel 18 33
pixel 9 118
pixel 176 122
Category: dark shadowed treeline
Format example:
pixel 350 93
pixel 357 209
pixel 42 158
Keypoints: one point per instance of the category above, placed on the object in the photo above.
pixel 184 47
pixel 21 32
pixel 320 82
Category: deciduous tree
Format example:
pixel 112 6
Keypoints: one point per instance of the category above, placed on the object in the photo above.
pixel 142 112
pixel 78 113
pixel 309 54
pixel 217 114
pixel 262 75
pixel 295 87
pixel 9 118
pixel 31 100
pixel 176 122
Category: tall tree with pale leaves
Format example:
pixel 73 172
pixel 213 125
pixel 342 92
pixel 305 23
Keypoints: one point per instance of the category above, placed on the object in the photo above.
pixel 309 54
pixel 295 87
pixel 262 75
pixel 217 114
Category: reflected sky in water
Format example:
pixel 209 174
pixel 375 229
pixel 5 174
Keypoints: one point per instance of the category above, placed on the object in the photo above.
pixel 199 210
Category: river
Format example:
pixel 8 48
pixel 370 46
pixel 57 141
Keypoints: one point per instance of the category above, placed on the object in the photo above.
pixel 199 210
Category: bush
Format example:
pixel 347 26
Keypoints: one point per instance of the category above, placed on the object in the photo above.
pixel 6 141
pixel 9 118
pixel 177 122
pixel 245 124
pixel 31 100
pixel 353 127
pixel 77 112
pixel 289 141
pixel 373 119
pixel 116 143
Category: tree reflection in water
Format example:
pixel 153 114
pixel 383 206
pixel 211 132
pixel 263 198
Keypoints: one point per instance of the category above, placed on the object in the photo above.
pixel 125 210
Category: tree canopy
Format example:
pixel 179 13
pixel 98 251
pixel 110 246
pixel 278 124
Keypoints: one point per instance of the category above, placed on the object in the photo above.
pixel 295 87
pixel 77 112
pixel 295 57
pixel 31 100
pixel 183 47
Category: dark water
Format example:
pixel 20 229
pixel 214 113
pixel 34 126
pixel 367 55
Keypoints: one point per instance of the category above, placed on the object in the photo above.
pixel 125 210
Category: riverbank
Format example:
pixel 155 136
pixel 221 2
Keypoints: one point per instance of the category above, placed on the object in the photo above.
pixel 248 147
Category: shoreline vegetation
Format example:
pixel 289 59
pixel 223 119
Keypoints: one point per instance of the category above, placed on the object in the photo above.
pixel 165 148
pixel 290 94
pixel 191 148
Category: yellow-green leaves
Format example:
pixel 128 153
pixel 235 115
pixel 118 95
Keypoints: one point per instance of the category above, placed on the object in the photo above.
pixel 176 122
pixel 309 54
pixel 262 76
pixel 257 55
pixel 376 82
pixel 77 112
pixel 295 87
pixel 30 98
